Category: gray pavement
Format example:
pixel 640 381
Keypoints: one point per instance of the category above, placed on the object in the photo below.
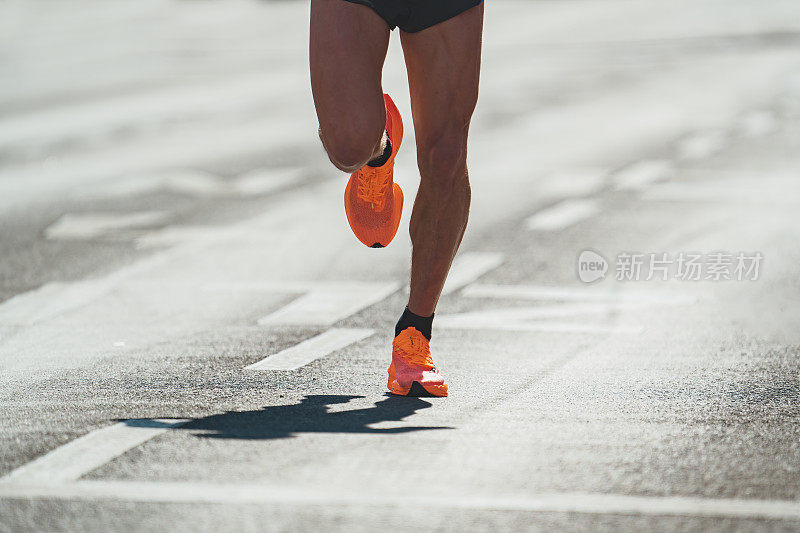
pixel 169 219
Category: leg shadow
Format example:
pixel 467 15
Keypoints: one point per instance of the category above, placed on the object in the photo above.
pixel 311 415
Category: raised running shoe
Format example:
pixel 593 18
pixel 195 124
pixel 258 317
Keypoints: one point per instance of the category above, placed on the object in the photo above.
pixel 372 201
pixel 412 372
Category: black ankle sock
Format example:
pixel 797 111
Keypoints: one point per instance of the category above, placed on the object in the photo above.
pixel 384 157
pixel 423 324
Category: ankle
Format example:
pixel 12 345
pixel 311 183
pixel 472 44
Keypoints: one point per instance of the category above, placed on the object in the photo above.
pixel 423 324
pixel 385 154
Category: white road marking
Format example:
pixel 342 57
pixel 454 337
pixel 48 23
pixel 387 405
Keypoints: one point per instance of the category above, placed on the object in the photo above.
pixel 176 235
pixel 778 192
pixel 76 458
pixel 470 266
pixel 758 124
pixel 701 145
pixel 49 300
pixel 570 183
pixel 565 502
pixel 34 181
pixel 585 294
pixel 520 319
pixel 266 286
pixel 563 214
pixel 542 327
pixel 590 301
pixel 491 316
pixel 194 183
pixel 108 115
pixel 199 183
pixel 92 225
pixel 327 303
pixel 311 349
pixel 641 174
pixel 266 180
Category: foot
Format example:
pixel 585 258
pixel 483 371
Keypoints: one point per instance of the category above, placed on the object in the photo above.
pixel 412 372
pixel 372 201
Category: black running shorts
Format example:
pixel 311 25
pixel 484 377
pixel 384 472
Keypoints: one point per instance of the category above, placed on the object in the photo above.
pixel 416 15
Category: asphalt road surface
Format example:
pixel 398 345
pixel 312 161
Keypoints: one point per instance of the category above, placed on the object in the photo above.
pixel 191 339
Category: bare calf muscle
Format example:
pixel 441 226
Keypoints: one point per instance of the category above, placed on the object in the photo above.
pixel 442 105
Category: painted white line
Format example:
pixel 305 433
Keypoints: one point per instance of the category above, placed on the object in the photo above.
pixel 198 183
pixel 311 349
pixel 568 183
pixel 266 180
pixel 91 225
pixel 76 458
pixel 572 294
pixel 641 174
pixel 33 181
pixel 327 303
pixel 262 286
pixel 689 192
pixel 777 193
pixel 563 214
pixel 57 298
pixel 108 115
pixel 758 124
pixel 520 318
pixel 470 266
pixel 502 315
pixel 46 301
pixel 203 492
pixel 193 182
pixel 701 145
pixel 543 327
pixel 177 235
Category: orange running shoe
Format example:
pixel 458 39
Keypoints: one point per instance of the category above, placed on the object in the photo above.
pixel 412 372
pixel 372 201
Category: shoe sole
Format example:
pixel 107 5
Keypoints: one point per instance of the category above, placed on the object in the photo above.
pixel 419 390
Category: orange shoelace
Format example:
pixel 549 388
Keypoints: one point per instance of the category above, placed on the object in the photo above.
pixel 372 185
pixel 413 348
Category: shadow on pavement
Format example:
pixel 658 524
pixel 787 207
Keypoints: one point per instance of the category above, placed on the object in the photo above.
pixel 311 415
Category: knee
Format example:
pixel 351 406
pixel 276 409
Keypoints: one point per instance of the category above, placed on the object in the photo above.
pixel 350 150
pixel 348 155
pixel 443 164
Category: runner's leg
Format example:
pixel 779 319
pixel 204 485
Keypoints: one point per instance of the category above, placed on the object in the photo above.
pixel 347 49
pixel 443 64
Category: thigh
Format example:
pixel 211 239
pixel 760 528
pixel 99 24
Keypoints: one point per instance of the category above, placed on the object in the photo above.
pixel 347 48
pixel 443 64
